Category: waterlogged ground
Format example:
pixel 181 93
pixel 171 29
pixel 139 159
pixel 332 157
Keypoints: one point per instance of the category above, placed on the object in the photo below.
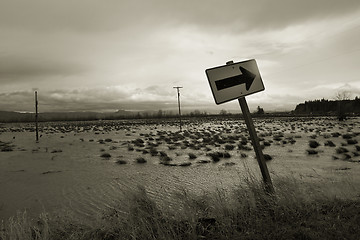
pixel 85 167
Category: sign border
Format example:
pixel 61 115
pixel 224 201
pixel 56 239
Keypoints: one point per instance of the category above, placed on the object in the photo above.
pixel 218 103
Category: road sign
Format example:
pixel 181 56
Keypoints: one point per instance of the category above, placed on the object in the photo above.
pixel 234 80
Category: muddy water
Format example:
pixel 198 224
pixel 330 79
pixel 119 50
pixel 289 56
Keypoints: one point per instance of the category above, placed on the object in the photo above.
pixel 65 170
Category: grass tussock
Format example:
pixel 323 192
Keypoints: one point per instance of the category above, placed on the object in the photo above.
pixel 295 211
pixel 105 155
pixel 6 147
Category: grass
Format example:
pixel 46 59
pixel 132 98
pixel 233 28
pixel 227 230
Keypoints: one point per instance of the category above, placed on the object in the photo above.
pixel 352 141
pixel 295 211
pixel 121 162
pixel 192 156
pixel 106 155
pixel 229 147
pixel 6 147
pixel 312 152
pixel 313 144
pixel 340 150
pixel 215 156
pixel 141 160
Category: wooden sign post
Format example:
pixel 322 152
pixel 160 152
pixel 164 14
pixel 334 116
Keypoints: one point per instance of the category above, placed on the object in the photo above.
pixel 255 142
pixel 235 81
pixel 36 117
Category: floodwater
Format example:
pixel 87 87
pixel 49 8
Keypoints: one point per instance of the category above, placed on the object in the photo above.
pixel 65 172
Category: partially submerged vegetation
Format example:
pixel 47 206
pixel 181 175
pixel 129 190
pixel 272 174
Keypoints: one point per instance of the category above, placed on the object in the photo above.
pixel 295 211
pixel 6 146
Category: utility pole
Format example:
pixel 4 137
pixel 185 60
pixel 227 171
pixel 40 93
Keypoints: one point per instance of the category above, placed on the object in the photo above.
pixel 178 95
pixel 36 117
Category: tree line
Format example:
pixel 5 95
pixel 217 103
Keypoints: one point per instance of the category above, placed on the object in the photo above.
pixel 329 107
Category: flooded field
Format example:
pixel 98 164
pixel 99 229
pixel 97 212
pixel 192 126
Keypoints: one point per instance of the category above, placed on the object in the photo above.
pixel 85 167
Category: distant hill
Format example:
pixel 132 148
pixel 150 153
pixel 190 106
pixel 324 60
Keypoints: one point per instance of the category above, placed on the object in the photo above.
pixel 316 107
pixel 329 107
pixel 6 116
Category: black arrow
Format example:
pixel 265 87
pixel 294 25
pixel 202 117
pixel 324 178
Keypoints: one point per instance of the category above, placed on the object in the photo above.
pixel 246 77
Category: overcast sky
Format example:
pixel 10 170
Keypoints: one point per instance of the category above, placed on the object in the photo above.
pixel 115 54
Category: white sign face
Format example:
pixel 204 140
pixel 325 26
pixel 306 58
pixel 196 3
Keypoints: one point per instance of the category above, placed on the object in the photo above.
pixel 235 80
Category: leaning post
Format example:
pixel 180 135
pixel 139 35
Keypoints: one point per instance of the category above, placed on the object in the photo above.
pixel 256 144
pixel 235 81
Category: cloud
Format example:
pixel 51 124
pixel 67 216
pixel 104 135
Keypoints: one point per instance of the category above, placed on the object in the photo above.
pixel 88 99
pixel 17 101
pixel 16 67
pixel 128 54
pixel 156 97
pixel 110 15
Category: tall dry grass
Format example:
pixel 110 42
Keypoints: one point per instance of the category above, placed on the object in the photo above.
pixel 296 211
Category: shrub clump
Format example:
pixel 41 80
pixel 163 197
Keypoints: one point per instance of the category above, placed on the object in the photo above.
pixel 106 155
pixel 313 144
pixel 352 141
pixel 347 136
pixel 185 164
pixel 226 155
pixel 6 147
pixel 165 158
pixel 138 142
pixel 153 152
pixel 312 152
pixel 215 156
pixel 192 156
pixel 244 147
pixel 340 150
pixel 141 160
pixel 121 162
pixel 229 147
pixel 267 157
pixel 330 143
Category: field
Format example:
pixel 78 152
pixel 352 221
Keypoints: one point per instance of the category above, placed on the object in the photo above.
pixel 94 170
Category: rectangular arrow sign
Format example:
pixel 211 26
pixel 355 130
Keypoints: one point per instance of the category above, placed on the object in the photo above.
pixel 235 80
